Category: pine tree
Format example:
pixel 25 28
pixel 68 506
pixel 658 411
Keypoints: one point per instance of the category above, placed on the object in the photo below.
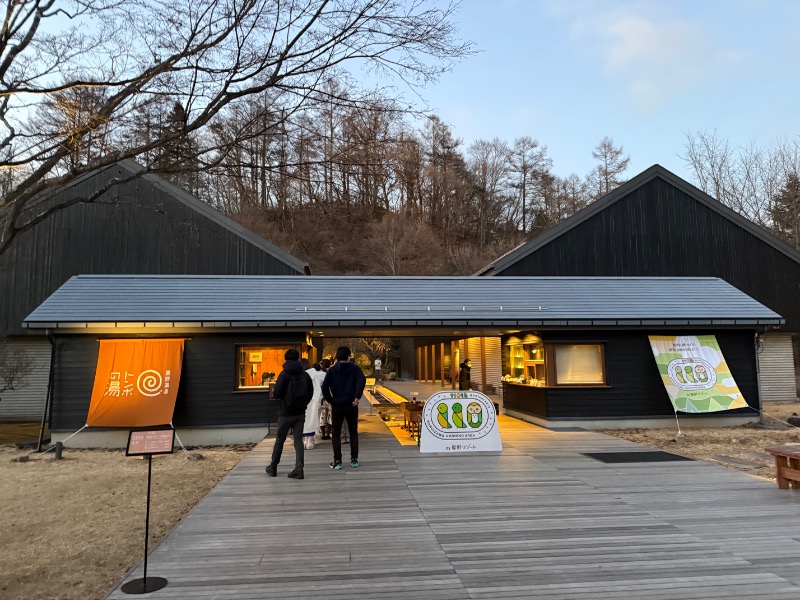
pixel 784 211
pixel 177 159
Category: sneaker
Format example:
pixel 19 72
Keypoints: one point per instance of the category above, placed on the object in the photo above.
pixel 354 463
pixel 337 464
pixel 272 471
pixel 296 475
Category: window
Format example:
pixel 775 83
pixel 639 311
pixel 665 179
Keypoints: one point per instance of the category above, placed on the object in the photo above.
pixel 258 366
pixel 579 364
pixel 525 361
pixel 531 361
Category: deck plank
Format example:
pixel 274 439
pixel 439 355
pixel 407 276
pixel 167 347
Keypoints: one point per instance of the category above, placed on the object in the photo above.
pixel 539 520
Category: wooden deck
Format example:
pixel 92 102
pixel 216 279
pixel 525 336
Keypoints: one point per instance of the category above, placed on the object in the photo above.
pixel 537 521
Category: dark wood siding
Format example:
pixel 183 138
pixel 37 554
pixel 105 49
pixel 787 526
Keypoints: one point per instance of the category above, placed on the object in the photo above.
pixel 635 388
pixel 206 397
pixel 141 228
pixel 526 399
pixel 659 230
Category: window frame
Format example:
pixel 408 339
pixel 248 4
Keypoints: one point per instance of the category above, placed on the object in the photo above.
pixel 552 368
pixel 256 347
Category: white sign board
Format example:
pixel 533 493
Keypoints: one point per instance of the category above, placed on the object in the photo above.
pixel 459 422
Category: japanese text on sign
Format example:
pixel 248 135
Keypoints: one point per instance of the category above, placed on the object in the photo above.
pixel 150 442
pixel 147 383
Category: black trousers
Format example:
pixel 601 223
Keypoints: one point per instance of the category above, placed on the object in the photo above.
pixel 342 412
pixel 295 423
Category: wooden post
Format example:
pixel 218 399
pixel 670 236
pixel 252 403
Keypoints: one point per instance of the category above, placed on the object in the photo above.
pixel 483 364
pixel 441 361
pixel 418 366
pixel 433 363
pixel 453 364
pixel 425 362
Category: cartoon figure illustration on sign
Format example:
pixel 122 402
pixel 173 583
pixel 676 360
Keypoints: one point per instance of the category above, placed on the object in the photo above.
pixel 442 416
pixel 458 415
pixel 689 374
pixel 474 415
pixel 679 375
pixel 700 373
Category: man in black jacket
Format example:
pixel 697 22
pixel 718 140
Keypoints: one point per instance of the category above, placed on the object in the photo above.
pixel 342 388
pixel 293 391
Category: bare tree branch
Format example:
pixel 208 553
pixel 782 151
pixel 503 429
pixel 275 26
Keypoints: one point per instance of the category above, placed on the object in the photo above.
pixel 68 95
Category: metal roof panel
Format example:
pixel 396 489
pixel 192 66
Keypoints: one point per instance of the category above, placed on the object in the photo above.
pixel 219 301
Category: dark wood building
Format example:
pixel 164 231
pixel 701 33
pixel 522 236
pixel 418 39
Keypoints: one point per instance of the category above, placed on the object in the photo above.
pixel 659 225
pixel 575 349
pixel 144 225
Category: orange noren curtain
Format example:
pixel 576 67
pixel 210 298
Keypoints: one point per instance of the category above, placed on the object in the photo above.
pixel 136 383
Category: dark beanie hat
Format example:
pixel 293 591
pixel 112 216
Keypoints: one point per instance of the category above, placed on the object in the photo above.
pixel 292 354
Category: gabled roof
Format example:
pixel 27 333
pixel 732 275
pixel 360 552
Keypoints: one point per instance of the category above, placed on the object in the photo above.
pixel 218 302
pixel 656 171
pixel 134 169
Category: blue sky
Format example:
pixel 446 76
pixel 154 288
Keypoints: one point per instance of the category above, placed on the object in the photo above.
pixel 646 74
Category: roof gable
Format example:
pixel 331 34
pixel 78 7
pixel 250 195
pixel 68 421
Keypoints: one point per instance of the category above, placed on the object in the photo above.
pixel 656 171
pixel 134 170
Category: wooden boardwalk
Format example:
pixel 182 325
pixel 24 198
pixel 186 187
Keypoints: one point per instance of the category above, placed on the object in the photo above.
pixel 537 521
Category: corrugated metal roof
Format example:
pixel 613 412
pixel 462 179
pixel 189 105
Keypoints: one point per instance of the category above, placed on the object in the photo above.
pixel 284 301
pixel 526 248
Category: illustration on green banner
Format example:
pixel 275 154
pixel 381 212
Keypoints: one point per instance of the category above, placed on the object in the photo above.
pixel 695 374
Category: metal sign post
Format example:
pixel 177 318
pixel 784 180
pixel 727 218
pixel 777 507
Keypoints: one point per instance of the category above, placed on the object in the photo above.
pixel 147 443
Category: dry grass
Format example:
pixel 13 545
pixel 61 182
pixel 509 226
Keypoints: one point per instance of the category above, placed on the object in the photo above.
pixel 737 447
pixel 71 528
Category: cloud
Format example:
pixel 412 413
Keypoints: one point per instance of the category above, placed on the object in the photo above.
pixel 637 41
pixel 648 54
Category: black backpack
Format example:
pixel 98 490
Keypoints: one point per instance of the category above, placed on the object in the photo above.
pixel 298 394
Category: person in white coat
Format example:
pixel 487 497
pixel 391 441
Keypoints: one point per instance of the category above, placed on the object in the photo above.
pixel 311 426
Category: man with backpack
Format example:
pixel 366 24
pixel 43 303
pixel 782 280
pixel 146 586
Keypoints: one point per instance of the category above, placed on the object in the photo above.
pixel 293 391
pixel 343 386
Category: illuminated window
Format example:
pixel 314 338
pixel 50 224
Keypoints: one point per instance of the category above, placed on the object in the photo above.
pixel 579 364
pixel 258 366
pixel 525 361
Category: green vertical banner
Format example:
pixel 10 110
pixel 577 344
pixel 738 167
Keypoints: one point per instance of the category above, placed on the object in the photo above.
pixel 697 378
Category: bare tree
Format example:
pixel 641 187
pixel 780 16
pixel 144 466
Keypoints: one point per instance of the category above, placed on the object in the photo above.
pixel 207 55
pixel 747 179
pixel 611 165
pixel 15 365
pixel 404 244
pixel 529 162
pixel 490 163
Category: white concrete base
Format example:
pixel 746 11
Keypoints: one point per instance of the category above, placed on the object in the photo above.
pixel 644 423
pixel 210 436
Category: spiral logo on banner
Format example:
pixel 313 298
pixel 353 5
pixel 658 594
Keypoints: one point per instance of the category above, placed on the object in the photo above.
pixel 150 383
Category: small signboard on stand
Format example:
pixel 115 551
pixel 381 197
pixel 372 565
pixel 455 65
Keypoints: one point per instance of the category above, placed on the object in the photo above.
pixel 147 443
pixel 459 422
